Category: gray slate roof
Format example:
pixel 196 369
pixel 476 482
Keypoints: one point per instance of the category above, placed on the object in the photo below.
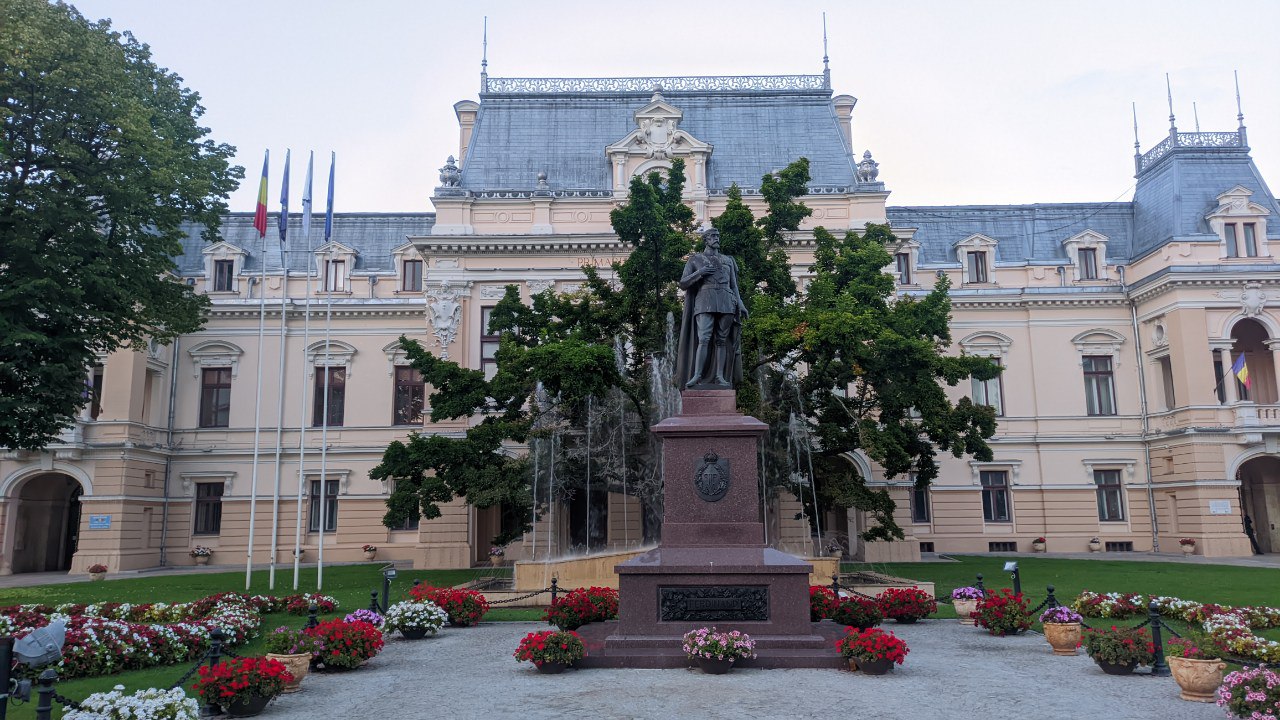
pixel 752 133
pixel 372 235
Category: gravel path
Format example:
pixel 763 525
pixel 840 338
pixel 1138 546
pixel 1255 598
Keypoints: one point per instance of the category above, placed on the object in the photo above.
pixel 952 671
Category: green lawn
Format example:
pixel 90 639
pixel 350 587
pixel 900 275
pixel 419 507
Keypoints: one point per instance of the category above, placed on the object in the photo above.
pixel 350 584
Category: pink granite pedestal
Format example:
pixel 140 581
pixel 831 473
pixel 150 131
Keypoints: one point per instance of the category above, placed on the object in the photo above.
pixel 712 567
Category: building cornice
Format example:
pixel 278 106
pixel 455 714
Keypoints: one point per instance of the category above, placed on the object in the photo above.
pixel 514 244
pixel 1170 281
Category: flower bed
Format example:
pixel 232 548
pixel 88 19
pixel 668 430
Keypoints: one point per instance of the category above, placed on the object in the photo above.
pixel 1231 628
pixel 581 606
pixel 465 607
pixel 111 637
pixel 149 704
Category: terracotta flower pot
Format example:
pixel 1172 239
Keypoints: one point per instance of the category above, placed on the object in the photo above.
pixel 871 667
pixel 711 666
pixel 551 668
pixel 965 610
pixel 297 665
pixel 1064 638
pixel 248 708
pixel 1199 679
pixel 201 559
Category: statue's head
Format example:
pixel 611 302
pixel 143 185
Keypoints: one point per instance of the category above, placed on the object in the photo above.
pixel 711 239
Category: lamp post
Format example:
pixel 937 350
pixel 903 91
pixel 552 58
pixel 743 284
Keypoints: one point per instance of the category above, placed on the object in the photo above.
pixel 1012 567
pixel 388 574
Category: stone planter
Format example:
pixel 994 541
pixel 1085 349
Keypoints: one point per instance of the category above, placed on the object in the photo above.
pixel 1037 547
pixel 714 667
pixel 369 554
pixel 97 576
pixel 1199 679
pixel 297 665
pixel 551 668
pixel 1112 669
pixel 496 561
pixel 201 559
pixel 1095 547
pixel 965 610
pixel 1188 549
pixel 1064 638
pixel 871 667
pixel 248 708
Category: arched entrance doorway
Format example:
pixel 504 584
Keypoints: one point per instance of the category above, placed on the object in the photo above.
pixel 1260 500
pixel 44 513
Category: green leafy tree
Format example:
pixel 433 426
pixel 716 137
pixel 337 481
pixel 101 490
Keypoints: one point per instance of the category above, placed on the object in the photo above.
pixel 867 372
pixel 102 159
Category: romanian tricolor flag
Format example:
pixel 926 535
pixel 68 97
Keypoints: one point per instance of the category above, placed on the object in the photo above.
pixel 1241 371
pixel 260 215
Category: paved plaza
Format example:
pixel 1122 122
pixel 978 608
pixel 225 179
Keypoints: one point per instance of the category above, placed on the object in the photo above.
pixel 952 672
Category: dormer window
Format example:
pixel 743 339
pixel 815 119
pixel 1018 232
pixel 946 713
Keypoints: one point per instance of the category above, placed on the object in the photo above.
pixel 977 254
pixel 905 257
pixel 334 262
pixel 223 264
pixel 904 268
pixel 1087 251
pixel 224 275
pixel 335 276
pixel 411 280
pixel 1240 225
pixel 409 265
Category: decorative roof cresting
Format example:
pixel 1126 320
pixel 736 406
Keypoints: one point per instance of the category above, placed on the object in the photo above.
pixel 709 83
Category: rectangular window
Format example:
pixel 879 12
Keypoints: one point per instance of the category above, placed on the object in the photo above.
pixel 1233 247
pixel 1002 546
pixel 410 523
pixel 1219 377
pixel 1110 495
pixel 1166 377
pixel 335 275
pixel 995 495
pixel 489 342
pixel 1088 263
pixel 990 392
pixel 208 520
pixel 1099 385
pixel 223 275
pixel 95 389
pixel 1250 241
pixel 412 276
pixel 920 505
pixel 330 507
pixel 410 397
pixel 978 267
pixel 215 397
pixel 926 546
pixel 1125 546
pixel 904 268
pixel 337 386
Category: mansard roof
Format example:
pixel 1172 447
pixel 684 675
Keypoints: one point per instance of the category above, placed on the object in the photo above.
pixel 375 237
pixel 1023 233
pixel 562 126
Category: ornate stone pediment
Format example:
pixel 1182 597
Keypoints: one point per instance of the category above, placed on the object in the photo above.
pixel 655 142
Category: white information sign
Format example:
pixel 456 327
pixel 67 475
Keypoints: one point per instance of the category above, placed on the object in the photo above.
pixel 1219 507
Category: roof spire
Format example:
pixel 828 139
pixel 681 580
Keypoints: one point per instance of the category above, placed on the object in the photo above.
pixel 1196 113
pixel 1239 112
pixel 826 67
pixel 484 58
pixel 1173 128
pixel 1136 145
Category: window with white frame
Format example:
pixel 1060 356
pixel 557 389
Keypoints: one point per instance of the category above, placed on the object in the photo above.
pixel 995 496
pixel 1087 251
pixel 994 346
pixel 903 264
pixel 335 275
pixel 1099 385
pixel 1110 492
pixel 920 511
pixel 977 254
pixel 1241 225
pixel 990 392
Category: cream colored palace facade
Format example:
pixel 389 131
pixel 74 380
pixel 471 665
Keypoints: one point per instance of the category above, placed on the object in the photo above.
pixel 1114 322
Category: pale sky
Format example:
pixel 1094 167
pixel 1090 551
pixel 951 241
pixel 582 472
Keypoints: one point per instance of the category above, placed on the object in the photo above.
pixel 960 102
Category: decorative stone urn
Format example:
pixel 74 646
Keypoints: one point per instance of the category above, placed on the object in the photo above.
pixel 1095 546
pixel 965 610
pixel 1188 549
pixel 97 576
pixel 1037 547
pixel 1199 679
pixel 297 665
pixel 1064 638
pixel 369 554
pixel 201 559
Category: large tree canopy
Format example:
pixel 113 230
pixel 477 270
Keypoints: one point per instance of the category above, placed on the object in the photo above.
pixel 102 159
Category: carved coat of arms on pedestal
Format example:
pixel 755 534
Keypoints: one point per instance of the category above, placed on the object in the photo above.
pixel 711 479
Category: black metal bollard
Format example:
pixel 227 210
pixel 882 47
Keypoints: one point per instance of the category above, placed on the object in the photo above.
pixel 6 666
pixel 835 585
pixel 416 583
pixel 1051 601
pixel 1159 666
pixel 44 694
pixel 216 638
pixel 373 602
pixel 1017 581
pixel 312 621
pixel 981 588
pixel 555 589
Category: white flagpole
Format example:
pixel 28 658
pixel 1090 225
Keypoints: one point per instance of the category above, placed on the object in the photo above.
pixel 329 280
pixel 257 413
pixel 302 394
pixel 284 301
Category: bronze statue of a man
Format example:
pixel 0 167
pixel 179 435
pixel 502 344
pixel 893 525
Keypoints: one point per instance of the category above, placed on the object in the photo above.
pixel 713 314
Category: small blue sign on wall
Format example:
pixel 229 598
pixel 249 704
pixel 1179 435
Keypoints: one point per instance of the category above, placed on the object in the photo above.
pixel 99 522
